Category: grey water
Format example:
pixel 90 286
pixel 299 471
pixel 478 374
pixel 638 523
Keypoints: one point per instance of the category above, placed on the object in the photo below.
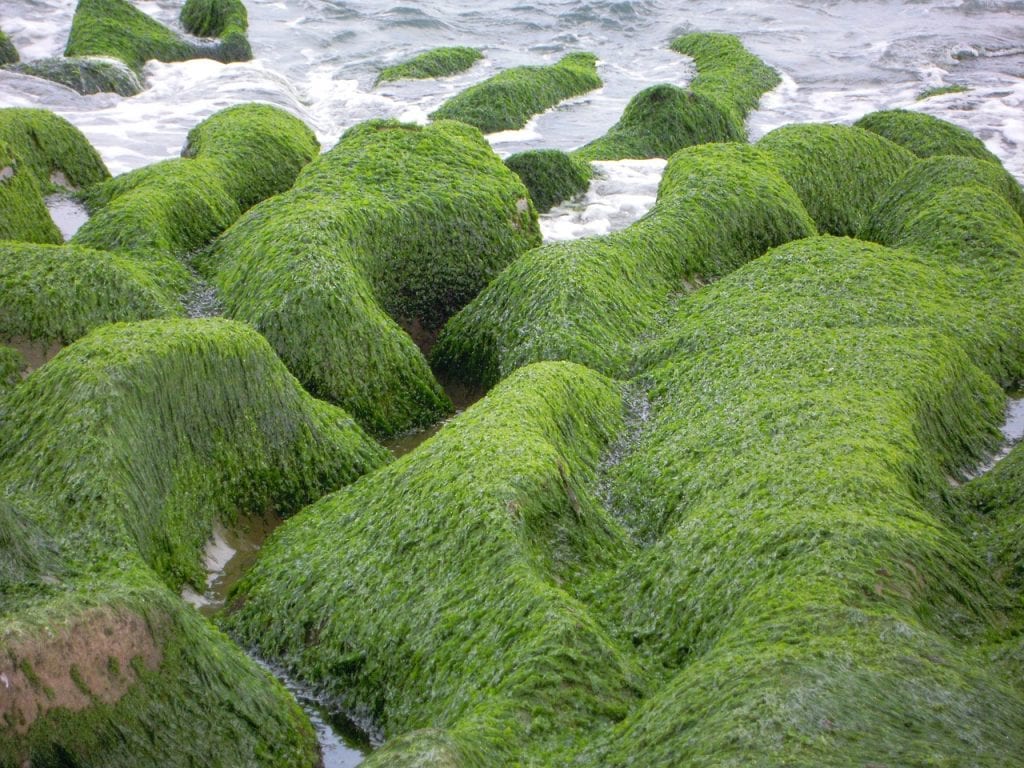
pixel 839 59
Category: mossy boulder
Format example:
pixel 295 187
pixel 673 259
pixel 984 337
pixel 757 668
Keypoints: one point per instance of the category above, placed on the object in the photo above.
pixel 85 74
pixel 224 19
pixel 925 135
pixel 25 215
pixel 397 224
pixel 437 62
pixel 8 53
pixel 550 175
pixel 118 455
pixel 119 30
pixel 839 172
pixel 508 668
pixel 592 300
pixel 59 293
pixel 509 99
pixel 51 149
pixel 664 118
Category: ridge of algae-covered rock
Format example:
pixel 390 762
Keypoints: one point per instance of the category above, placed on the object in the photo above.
pixel 85 74
pixel 51 149
pixel 163 212
pixel 928 178
pixel 59 293
pixel 662 119
pixel 925 135
pixel 592 300
pixel 396 224
pixel 117 456
pixel 509 99
pixel 224 19
pixel 25 215
pixel 437 62
pixel 492 651
pixel 8 53
pixel 550 175
pixel 118 29
pixel 838 171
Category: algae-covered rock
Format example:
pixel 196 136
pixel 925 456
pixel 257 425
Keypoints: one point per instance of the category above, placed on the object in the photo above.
pixel 117 456
pixel 437 62
pixel 592 300
pixel 663 118
pixel 493 650
pixel 117 29
pixel 23 212
pixel 839 172
pixel 997 498
pixel 85 74
pixel 396 224
pixel 163 212
pixel 51 149
pixel 224 19
pixel 510 98
pixel 8 53
pixel 11 365
pixel 925 135
pixel 926 179
pixel 59 293
pixel 550 175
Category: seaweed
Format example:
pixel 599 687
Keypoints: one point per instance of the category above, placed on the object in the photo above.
pixel 225 19
pixel 85 74
pixel 925 135
pixel 25 216
pixel 11 365
pixel 397 224
pixel 503 667
pixel 59 293
pixel 437 62
pixel 50 149
pixel 550 175
pixel 942 90
pixel 8 53
pixel 838 171
pixel 117 456
pixel 592 300
pixel 119 30
pixel 509 99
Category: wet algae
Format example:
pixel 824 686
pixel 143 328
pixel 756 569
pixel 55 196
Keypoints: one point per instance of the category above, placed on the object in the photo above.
pixel 437 62
pixel 398 226
pixel 117 457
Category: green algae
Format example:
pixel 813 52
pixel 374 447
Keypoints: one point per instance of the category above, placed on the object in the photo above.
pixel 509 99
pixel 8 53
pixel 593 300
pixel 50 149
pixel 396 224
pixel 550 176
pixel 925 135
pixel 224 19
pixel 11 365
pixel 117 457
pixel 660 120
pixel 838 171
pixel 59 293
pixel 437 62
pixel 119 30
pixel 495 668
pixel 942 90
pixel 25 215
pixel 84 74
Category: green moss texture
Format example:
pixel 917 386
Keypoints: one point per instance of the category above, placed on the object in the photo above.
pixel 838 171
pixel 117 29
pixel 663 118
pixel 437 62
pixel 224 19
pixel 509 99
pixel 86 75
pixel 592 300
pixel 118 456
pixel 11 364
pixel 925 135
pixel 397 224
pixel 550 175
pixel 51 149
pixel 8 53
pixel 25 215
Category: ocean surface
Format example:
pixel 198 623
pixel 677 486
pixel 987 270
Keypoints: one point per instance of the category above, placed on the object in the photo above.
pixel 319 58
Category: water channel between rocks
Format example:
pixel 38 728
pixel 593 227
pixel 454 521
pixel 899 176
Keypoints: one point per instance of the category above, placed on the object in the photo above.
pixel 231 551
